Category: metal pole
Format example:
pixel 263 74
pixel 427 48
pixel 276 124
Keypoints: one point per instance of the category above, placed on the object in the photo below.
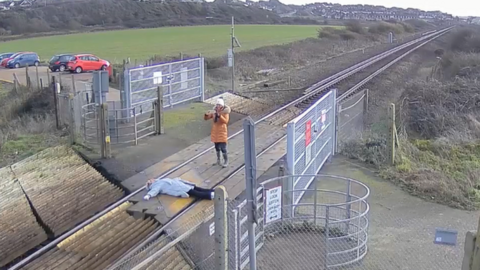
pixel 135 126
pixel 232 40
pixel 315 201
pixel 250 178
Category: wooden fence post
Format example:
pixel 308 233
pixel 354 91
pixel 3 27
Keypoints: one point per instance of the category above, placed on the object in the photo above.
pixel 71 125
pixel 392 135
pixel 38 78
pixel 104 131
pixel 55 101
pixel 27 77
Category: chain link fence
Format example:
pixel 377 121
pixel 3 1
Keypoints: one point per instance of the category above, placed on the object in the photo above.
pixel 350 116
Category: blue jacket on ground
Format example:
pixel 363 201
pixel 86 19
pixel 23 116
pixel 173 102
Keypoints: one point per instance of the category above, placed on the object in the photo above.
pixel 173 187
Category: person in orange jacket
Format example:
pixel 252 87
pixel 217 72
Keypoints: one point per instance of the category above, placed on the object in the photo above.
pixel 219 133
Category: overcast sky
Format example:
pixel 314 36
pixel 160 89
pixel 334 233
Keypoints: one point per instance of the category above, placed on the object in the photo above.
pixel 455 7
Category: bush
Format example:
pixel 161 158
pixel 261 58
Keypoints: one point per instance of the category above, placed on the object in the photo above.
pixel 384 28
pixel 78 15
pixel 354 26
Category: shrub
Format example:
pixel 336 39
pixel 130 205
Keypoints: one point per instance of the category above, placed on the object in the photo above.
pixel 354 26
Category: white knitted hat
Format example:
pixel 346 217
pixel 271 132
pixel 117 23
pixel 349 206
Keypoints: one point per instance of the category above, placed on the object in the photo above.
pixel 221 102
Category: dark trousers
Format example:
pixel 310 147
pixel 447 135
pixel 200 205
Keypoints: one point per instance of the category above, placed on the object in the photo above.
pixel 221 147
pixel 201 193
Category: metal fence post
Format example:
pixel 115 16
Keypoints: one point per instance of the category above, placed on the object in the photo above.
pixel 135 129
pixel 327 235
pixel 159 117
pixel 101 133
pixel 348 206
pixel 476 251
pixel 315 201
pixel 334 124
pixel 250 177
pixel 289 182
pixel 221 228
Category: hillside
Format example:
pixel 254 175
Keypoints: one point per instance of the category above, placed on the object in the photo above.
pixel 75 16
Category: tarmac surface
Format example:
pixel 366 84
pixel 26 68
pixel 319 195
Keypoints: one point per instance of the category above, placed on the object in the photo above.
pixel 79 82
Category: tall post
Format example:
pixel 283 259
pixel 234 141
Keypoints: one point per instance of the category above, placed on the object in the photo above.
pixel 250 178
pixel 104 134
pixel 159 117
pixel 392 132
pixel 221 228
pixel 55 101
pixel 231 53
pixel 476 251
pixel 27 77
pixel 232 48
pixel 71 126
pixel 38 78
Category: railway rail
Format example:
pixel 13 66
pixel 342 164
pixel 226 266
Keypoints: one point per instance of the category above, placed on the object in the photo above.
pixel 310 95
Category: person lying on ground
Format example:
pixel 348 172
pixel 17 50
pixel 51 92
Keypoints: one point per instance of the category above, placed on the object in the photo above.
pixel 176 187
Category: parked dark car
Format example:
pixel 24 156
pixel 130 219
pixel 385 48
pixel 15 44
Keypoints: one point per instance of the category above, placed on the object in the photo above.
pixel 24 59
pixel 5 55
pixel 59 62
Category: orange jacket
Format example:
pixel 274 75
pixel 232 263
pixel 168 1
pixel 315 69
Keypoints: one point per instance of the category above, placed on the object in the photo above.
pixel 219 131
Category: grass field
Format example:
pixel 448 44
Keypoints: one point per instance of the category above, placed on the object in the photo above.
pixel 143 43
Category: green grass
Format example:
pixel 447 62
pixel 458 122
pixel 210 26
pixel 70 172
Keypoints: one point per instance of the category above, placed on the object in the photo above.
pixel 141 44
pixel 182 116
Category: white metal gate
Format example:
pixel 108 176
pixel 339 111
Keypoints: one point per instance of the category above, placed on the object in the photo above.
pixel 311 141
pixel 182 81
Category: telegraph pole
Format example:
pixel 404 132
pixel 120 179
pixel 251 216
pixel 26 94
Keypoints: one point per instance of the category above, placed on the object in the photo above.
pixel 231 53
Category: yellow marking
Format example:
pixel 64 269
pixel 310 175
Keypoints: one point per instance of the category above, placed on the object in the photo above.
pixel 173 205
pixel 6 81
pixel 92 225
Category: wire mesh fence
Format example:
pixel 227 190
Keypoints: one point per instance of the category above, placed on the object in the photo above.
pixel 350 115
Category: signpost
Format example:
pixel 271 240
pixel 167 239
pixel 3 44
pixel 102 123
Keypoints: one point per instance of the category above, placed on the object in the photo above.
pixel 274 204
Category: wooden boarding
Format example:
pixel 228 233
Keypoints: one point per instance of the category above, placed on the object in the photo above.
pixel 19 230
pixel 235 185
pixel 137 181
pixel 203 173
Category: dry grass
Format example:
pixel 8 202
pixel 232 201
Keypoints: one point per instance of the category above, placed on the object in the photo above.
pixel 438 120
pixel 26 123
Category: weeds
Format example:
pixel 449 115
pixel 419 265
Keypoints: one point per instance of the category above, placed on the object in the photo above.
pixel 438 156
pixel 26 123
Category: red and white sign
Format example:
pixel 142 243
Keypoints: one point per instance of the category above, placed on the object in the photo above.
pixel 323 119
pixel 308 132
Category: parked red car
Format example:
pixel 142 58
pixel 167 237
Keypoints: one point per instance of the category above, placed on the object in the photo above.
pixel 88 62
pixel 5 60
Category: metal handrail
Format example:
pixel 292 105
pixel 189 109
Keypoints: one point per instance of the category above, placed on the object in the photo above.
pixel 334 79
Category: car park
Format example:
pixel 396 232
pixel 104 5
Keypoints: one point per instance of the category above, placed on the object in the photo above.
pixel 59 62
pixel 23 60
pixel 5 60
pixel 87 62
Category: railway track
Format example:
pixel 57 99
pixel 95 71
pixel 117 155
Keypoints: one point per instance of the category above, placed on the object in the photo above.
pixel 280 117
